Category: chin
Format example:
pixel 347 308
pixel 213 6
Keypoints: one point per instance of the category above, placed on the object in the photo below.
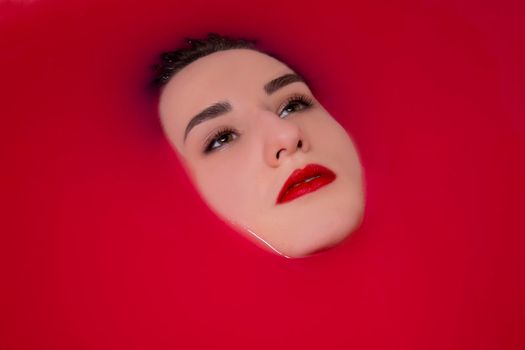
pixel 338 226
pixel 320 244
pixel 319 239
pixel 309 225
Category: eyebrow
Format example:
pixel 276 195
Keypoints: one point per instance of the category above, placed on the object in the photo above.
pixel 220 108
pixel 213 111
pixel 281 82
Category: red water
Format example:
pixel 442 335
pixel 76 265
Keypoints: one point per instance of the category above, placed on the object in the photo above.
pixel 105 244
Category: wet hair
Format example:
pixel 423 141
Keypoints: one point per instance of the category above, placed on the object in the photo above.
pixel 173 61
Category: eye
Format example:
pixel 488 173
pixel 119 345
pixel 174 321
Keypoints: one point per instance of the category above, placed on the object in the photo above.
pixel 219 139
pixel 295 104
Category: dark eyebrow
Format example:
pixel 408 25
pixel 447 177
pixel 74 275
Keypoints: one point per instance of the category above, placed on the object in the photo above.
pixel 282 81
pixel 213 111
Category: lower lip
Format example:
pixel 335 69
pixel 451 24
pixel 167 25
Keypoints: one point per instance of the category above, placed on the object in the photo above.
pixel 307 187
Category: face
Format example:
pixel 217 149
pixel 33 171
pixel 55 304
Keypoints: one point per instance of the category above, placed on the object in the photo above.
pixel 262 151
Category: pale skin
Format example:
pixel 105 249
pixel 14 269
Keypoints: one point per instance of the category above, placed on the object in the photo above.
pixel 265 133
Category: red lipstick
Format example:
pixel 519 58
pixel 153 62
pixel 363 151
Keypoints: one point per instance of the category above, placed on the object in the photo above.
pixel 304 181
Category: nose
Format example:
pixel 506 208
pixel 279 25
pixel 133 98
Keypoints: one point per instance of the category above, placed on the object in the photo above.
pixel 283 138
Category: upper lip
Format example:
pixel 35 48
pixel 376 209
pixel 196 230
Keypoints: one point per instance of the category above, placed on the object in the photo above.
pixel 301 175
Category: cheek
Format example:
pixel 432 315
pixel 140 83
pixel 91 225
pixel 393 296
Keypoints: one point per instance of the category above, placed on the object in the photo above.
pixel 337 148
pixel 330 138
pixel 226 183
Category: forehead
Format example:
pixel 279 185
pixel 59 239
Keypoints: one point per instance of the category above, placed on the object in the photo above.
pixel 225 70
pixel 234 75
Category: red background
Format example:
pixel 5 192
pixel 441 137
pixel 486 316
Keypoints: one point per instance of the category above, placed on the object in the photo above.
pixel 105 245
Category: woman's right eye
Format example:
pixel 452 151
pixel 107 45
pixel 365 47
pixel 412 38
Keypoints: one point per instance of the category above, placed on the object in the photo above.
pixel 219 139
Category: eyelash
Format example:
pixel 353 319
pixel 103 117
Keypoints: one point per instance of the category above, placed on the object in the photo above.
pixel 215 138
pixel 305 102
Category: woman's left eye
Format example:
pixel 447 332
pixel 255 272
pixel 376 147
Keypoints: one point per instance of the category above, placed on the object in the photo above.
pixel 295 104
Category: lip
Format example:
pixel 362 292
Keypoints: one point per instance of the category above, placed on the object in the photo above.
pixel 304 181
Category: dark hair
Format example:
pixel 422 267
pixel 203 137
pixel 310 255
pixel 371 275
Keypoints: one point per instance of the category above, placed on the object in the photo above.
pixel 174 61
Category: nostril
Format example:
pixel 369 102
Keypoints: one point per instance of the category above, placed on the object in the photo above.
pixel 299 145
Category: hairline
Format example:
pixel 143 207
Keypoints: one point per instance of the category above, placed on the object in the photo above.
pixel 163 86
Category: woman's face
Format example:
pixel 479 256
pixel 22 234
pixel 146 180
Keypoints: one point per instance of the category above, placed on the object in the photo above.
pixel 262 152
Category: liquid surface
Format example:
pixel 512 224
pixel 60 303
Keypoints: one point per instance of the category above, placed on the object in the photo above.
pixel 105 244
